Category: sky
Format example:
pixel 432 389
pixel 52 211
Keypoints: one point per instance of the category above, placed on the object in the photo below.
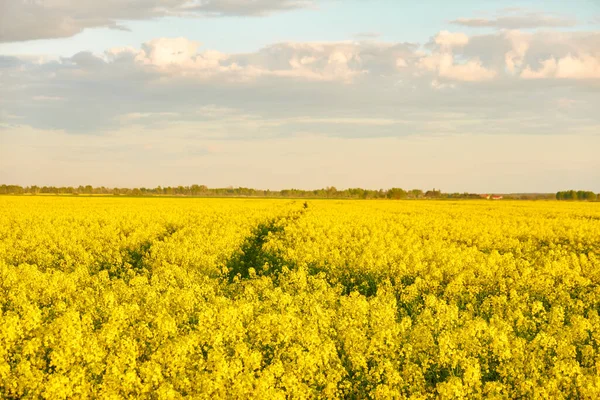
pixel 495 96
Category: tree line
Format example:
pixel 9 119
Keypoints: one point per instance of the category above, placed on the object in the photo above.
pixel 580 195
pixel 328 192
pixel 204 191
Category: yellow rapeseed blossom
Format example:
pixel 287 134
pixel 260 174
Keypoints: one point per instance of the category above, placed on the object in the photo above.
pixel 242 298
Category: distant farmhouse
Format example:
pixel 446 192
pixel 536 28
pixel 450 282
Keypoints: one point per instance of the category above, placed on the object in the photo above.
pixel 491 196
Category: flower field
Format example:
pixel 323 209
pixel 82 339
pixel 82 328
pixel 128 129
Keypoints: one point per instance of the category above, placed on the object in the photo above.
pixel 109 297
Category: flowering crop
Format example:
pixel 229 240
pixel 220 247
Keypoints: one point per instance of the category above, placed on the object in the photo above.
pixel 232 298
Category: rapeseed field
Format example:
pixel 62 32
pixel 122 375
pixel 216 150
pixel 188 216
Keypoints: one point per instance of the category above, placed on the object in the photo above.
pixel 165 298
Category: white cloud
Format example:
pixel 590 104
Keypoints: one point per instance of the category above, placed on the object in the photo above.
pixel 345 89
pixel 583 66
pixel 449 39
pixel 441 86
pixel 566 103
pixel 136 116
pixel 336 61
pixel 47 98
pixel 30 20
pixel 401 62
pixel 213 111
pixel 442 60
pixel 520 44
pixel 518 19
pixel 167 51
pixel 368 35
pixel 471 71
pixel 307 60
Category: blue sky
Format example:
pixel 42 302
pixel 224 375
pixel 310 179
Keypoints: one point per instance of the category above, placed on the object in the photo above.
pixel 337 20
pixel 466 96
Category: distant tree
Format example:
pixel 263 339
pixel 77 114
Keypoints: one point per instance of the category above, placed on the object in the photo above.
pixel 195 190
pixel 430 194
pixel 581 195
pixel 331 191
pixel 589 196
pixel 396 194
pixel 416 193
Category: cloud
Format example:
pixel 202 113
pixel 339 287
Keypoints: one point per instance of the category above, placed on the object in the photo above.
pixel 566 103
pixel 584 66
pixel 519 19
pixel 470 108
pixel 137 116
pixel 519 46
pixel 367 35
pixel 449 39
pixel 166 51
pixel 319 62
pixel 471 71
pixel 47 98
pixel 243 7
pixel 479 84
pixel 547 70
pixel 38 19
pixel 443 62
pixel 9 62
